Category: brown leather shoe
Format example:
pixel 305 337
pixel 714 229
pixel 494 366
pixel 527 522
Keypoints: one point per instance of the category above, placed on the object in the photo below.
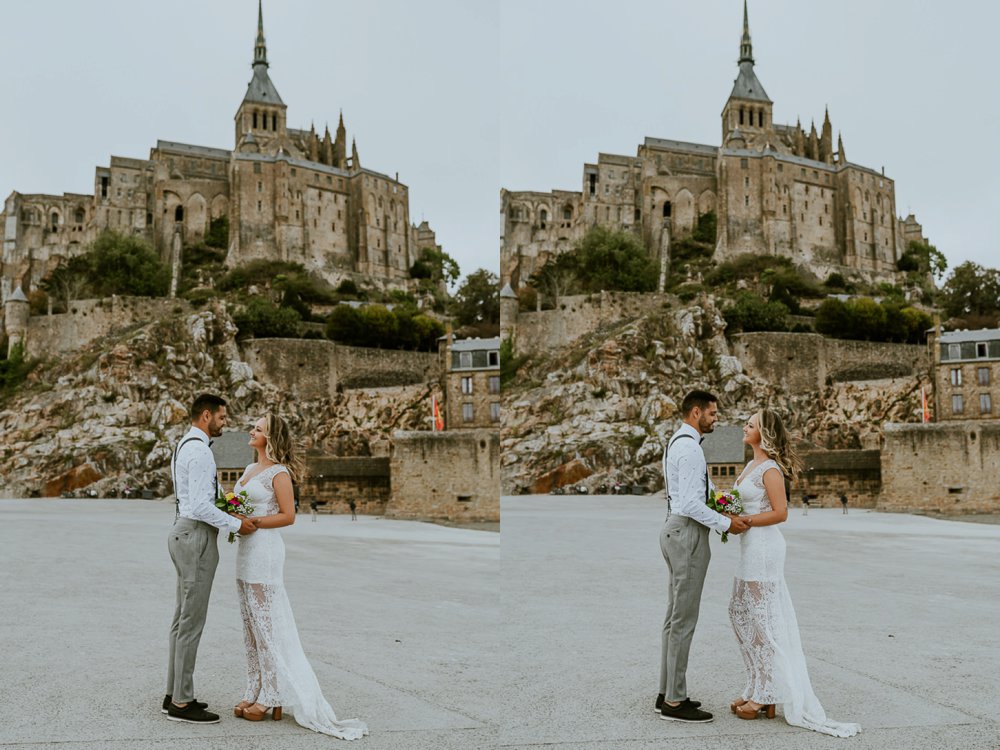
pixel 736 704
pixel 239 709
pixel 256 712
pixel 746 711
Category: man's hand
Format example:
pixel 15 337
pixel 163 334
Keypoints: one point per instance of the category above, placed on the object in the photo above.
pixel 738 525
pixel 246 525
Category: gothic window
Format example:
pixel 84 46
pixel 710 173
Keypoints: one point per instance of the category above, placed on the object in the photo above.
pixel 55 221
pixel 79 216
pixel 255 120
pixel 179 213
pixel 666 209
pixel 741 115
pixel 567 213
pixel 543 217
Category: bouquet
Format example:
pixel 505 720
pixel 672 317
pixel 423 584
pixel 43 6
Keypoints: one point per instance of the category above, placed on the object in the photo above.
pixel 725 502
pixel 235 503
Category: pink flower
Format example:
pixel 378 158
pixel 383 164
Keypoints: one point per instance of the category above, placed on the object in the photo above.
pixel 234 502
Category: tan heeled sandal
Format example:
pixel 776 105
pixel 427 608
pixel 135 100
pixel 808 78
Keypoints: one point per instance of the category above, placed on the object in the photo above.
pixel 254 714
pixel 745 712
pixel 239 709
pixel 736 704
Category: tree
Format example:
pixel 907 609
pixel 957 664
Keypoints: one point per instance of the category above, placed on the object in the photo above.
pixel 972 290
pixel 125 264
pixel 218 233
pixel 477 300
pixel 750 313
pixel 608 260
pixel 434 263
pixel 344 325
pixel 380 325
pixel 260 319
pixel 923 257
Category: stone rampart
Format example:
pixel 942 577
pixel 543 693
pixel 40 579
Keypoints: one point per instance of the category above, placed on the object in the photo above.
pixel 944 467
pixel 806 362
pixel 89 319
pixel 452 475
pixel 578 316
pixel 315 369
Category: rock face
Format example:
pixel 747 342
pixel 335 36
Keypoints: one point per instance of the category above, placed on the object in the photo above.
pixel 107 416
pixel 609 401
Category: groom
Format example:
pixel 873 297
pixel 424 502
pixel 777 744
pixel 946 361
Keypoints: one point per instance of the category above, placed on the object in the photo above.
pixel 194 550
pixel 684 543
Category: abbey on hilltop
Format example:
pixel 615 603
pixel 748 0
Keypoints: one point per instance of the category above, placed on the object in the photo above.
pixel 774 188
pixel 291 195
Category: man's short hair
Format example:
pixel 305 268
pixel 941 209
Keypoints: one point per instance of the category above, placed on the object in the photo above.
pixel 701 399
pixel 207 401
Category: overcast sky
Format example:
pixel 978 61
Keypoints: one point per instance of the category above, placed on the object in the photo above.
pixel 462 97
pixel 417 82
pixel 911 86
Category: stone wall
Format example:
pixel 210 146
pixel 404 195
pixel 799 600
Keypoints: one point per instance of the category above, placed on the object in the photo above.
pixel 577 316
pixel 316 369
pixel 827 474
pixel 944 467
pixel 806 362
pixel 90 319
pixel 451 475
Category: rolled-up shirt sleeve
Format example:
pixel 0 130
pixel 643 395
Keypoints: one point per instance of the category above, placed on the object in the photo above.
pixel 691 477
pixel 201 491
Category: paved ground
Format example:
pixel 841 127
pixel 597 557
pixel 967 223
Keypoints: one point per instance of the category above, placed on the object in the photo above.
pixel 399 620
pixel 899 620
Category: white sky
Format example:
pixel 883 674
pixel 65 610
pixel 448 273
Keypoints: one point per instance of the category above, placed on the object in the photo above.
pixel 911 86
pixel 462 97
pixel 417 82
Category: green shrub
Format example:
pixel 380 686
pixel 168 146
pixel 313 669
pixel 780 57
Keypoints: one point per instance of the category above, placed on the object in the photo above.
pixel 259 318
pixel 750 313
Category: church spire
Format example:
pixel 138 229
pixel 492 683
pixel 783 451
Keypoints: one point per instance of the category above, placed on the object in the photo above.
pixel 260 46
pixel 746 48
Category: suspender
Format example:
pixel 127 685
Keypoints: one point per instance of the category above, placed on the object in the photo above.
pixel 666 488
pixel 173 475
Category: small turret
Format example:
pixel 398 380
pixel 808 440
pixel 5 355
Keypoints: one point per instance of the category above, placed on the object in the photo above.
pixel 826 140
pixel 16 311
pixel 812 151
pixel 340 145
pixel 313 144
pixel 327 150
pixel 355 160
pixel 841 158
pixel 800 139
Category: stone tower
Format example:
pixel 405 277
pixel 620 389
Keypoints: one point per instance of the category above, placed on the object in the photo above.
pixel 748 108
pixel 508 313
pixel 16 319
pixel 261 112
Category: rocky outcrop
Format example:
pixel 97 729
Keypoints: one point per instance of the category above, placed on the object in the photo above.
pixel 609 401
pixel 106 417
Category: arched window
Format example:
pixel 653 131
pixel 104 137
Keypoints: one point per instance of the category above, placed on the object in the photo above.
pixel 543 217
pixel 55 221
pixel 666 209
pixel 179 213
pixel 741 115
pixel 79 216
pixel 567 213
pixel 255 120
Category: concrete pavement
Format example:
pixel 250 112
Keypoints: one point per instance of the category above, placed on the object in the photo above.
pixel 399 621
pixel 898 616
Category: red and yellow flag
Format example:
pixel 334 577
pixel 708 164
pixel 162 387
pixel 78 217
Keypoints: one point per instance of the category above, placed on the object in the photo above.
pixel 923 399
pixel 438 420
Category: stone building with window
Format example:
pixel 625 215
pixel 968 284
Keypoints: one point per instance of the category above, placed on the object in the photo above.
pixel 290 194
pixel 775 189
pixel 233 454
pixel 472 382
pixel 966 374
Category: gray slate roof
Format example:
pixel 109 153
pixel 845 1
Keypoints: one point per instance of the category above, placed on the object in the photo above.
pixel 724 445
pixel 747 86
pixel 695 148
pixel 959 337
pixel 475 345
pixel 260 88
pixel 231 450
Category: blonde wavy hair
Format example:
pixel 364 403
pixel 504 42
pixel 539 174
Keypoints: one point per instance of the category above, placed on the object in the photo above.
pixel 776 443
pixel 280 447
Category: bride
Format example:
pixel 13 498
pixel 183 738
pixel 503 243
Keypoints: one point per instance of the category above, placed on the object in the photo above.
pixel 278 673
pixel 760 608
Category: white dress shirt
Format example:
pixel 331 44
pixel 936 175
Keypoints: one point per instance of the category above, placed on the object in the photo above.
pixel 195 475
pixel 685 472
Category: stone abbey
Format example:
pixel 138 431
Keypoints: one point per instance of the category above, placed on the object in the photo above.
pixel 774 189
pixel 288 194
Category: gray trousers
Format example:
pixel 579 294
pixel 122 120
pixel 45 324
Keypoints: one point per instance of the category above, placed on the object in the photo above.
pixel 194 550
pixel 684 544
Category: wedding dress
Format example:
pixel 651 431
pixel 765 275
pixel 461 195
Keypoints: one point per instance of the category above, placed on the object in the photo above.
pixel 764 620
pixel 278 673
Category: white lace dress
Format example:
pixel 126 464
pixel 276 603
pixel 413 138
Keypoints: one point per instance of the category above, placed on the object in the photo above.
pixel 278 673
pixel 764 620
